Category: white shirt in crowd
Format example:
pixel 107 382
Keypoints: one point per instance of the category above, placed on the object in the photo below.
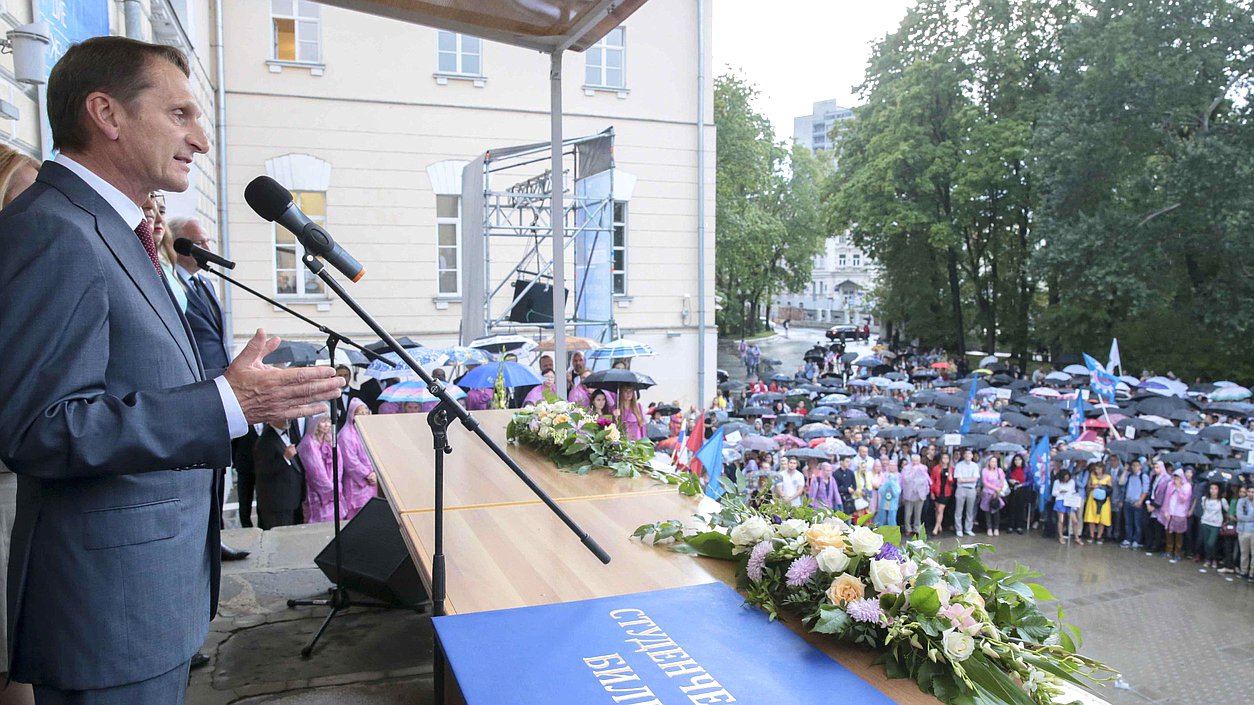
pixel 966 470
pixel 790 483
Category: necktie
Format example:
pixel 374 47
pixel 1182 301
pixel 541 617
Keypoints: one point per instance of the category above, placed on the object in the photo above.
pixel 144 231
pixel 203 289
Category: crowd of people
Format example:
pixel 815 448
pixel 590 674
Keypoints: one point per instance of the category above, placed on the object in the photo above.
pixel 881 437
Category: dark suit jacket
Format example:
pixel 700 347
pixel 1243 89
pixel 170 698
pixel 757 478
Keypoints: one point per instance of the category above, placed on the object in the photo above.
pixel 208 330
pixel 112 429
pixel 280 483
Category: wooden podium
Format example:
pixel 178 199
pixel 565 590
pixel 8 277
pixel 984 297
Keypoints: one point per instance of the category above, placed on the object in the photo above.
pixel 506 549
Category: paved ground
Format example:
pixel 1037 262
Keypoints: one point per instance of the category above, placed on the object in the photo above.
pixel 1180 637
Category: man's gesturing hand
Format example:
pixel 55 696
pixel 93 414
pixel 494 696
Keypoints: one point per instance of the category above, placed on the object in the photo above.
pixel 268 393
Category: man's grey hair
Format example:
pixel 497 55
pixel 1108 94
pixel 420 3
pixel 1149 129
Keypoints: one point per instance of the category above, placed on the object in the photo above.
pixel 177 226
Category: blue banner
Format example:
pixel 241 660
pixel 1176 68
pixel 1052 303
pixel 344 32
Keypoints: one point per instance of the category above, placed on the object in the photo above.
pixel 1038 470
pixel 685 645
pixel 970 407
pixel 1077 416
pixel 1100 381
pixel 711 457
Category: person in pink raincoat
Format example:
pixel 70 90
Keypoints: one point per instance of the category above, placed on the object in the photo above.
pixel 537 393
pixel 629 413
pixel 360 481
pixel 315 454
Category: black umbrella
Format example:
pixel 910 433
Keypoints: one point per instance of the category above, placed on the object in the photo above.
pixel 897 432
pixel 1041 430
pixel 1137 447
pixel 1229 463
pixel 1072 454
pixel 881 370
pixel 382 346
pixel 788 418
pixel 657 432
pixel 1014 418
pixel 1157 443
pixel 666 409
pixel 781 378
pixel 737 427
pixel 764 398
pixel 1218 432
pixel 731 385
pixel 819 432
pixel 1006 434
pixel 1181 414
pixel 1208 448
pixel 895 376
pixel 1173 434
pixel 977 440
pixel 814 356
pixel 716 415
pixel 1235 409
pixel 608 379
pixel 930 433
pixel 355 357
pixel 1159 406
pixel 1185 457
pixel 1139 424
pixel 953 401
pixel 1003 447
pixel 754 411
pixel 849 357
pixel 292 352
pixel 821 412
pixel 806 453
pixel 949 422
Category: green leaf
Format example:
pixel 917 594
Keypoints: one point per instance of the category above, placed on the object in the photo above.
pixel 891 534
pixel 712 544
pixel 925 600
pixel 832 620
pixel 1040 593
pixel 997 682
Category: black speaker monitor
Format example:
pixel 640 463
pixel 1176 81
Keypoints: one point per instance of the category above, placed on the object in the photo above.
pixel 534 306
pixel 376 561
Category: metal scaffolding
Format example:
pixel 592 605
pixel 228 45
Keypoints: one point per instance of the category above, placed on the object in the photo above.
pixel 499 299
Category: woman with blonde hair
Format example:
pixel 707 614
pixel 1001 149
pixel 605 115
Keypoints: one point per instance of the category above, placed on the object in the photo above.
pixel 17 172
pixel 154 212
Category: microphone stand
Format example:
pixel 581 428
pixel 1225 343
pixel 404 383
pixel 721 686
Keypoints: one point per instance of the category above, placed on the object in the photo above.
pixel 439 419
pixel 339 599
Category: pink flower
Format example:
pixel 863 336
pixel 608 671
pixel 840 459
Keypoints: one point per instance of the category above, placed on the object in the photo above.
pixel 866 610
pixel 961 618
pixel 801 570
pixel 757 560
pixel 603 422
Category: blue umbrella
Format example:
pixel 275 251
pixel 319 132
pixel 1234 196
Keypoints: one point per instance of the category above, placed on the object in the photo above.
pixel 484 376
pixel 461 355
pixel 868 361
pixel 395 367
pixel 416 390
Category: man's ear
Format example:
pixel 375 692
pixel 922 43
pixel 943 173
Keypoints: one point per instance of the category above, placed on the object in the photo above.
pixel 104 115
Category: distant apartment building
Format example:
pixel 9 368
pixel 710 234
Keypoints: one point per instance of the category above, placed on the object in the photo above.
pixel 814 131
pixel 841 288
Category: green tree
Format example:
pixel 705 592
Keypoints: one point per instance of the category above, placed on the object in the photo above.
pixel 768 206
pixel 1147 159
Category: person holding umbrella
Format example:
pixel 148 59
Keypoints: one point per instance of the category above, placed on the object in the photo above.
pixel 1097 507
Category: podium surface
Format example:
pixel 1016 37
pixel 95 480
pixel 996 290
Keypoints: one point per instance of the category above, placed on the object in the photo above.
pixel 504 548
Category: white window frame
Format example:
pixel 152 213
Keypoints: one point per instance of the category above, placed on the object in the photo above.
pixel 616 246
pixel 459 54
pixel 456 222
pixel 306 174
pixel 297 18
pixel 842 260
pixel 303 275
pixel 857 260
pixel 620 34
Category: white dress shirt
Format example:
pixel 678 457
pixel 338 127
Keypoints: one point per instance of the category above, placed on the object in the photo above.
pixel 131 215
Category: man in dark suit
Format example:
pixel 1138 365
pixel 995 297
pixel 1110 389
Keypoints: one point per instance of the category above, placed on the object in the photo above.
pixel 107 416
pixel 280 476
pixel 205 317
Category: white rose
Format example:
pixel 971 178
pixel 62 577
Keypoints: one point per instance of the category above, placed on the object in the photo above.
pixel 751 531
pixel 958 646
pixel 544 431
pixel 792 528
pixel 832 560
pixel 886 576
pixel 865 541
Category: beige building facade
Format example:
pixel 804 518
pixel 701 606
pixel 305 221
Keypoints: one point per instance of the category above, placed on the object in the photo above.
pixel 369 121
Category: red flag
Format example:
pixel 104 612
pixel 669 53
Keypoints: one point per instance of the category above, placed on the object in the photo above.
pixel 695 440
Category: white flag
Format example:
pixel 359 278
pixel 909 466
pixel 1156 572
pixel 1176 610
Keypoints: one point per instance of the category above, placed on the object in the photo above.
pixel 1114 360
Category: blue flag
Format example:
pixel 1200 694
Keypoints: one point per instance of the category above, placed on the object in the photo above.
pixel 1100 381
pixel 711 457
pixel 1077 416
pixel 1038 470
pixel 970 407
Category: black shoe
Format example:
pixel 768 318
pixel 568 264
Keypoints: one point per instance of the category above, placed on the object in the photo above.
pixel 200 661
pixel 230 554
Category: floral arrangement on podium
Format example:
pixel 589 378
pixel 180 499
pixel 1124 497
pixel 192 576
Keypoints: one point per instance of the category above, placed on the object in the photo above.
pixel 966 633
pixel 579 442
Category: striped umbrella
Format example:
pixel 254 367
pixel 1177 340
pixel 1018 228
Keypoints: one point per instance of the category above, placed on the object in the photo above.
pixel 416 390
pixel 621 349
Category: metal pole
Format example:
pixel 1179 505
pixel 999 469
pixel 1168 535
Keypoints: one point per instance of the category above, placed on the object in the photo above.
pixel 557 221
pixel 224 230
pixel 701 398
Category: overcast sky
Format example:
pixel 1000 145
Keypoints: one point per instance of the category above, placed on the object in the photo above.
pixel 800 51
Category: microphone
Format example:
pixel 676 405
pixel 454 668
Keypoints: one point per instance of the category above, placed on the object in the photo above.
pixel 274 203
pixel 184 247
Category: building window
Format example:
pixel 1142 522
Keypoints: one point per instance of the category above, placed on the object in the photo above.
pixel 459 54
pixel 857 260
pixel 296 26
pixel 448 225
pixel 606 65
pixel 291 278
pixel 619 268
pixel 840 259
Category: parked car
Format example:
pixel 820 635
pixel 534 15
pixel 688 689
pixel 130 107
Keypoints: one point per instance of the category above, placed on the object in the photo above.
pixel 844 331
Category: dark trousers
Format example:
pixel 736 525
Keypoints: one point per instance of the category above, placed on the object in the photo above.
pixel 1132 519
pixel 245 482
pixel 1017 507
pixel 165 689
pixel 1155 534
pixel 271 519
